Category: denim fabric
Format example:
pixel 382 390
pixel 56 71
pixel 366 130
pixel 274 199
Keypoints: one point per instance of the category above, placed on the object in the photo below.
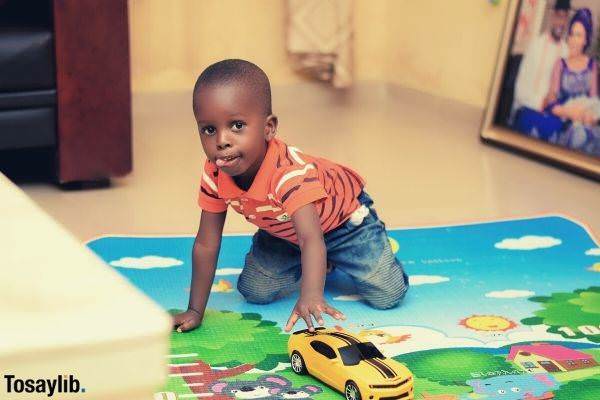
pixel 363 251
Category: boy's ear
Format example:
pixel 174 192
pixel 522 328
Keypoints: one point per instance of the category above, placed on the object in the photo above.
pixel 271 127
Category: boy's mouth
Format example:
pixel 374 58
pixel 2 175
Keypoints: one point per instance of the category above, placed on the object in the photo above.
pixel 227 162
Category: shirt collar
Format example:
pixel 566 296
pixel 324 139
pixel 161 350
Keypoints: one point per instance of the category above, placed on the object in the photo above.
pixel 228 189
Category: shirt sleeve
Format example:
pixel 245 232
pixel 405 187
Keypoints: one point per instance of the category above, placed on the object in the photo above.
pixel 524 86
pixel 297 186
pixel 208 197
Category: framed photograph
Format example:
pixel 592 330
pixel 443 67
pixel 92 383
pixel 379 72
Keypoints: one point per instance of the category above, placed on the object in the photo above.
pixel 544 99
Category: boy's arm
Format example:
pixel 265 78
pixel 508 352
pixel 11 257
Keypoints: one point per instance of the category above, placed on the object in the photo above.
pixel 204 262
pixel 314 264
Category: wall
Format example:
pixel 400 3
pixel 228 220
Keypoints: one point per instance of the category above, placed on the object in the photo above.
pixel 447 48
pixel 171 42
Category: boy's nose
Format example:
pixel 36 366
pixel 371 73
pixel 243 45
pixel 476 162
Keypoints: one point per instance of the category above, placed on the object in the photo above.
pixel 223 140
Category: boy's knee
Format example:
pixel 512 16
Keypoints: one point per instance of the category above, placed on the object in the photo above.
pixel 252 292
pixel 386 299
pixel 388 295
pixel 258 298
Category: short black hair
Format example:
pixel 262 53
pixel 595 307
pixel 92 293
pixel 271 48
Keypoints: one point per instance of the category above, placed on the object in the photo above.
pixel 562 5
pixel 239 72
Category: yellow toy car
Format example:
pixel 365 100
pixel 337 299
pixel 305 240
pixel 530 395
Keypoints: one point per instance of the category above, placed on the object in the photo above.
pixel 349 365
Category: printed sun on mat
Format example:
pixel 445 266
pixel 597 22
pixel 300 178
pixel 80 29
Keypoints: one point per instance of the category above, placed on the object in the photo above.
pixel 489 323
pixel 497 310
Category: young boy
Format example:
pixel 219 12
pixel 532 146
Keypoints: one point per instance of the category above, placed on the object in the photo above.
pixel 310 211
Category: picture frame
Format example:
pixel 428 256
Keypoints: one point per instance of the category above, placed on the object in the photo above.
pixel 500 134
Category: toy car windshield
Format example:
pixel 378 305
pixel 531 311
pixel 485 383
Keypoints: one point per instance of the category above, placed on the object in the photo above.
pixel 352 354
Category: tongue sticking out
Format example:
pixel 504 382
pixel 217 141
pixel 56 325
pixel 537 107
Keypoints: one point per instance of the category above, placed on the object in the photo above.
pixel 225 163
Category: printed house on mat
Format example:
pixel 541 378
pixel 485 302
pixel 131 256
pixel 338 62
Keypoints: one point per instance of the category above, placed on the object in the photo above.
pixel 543 357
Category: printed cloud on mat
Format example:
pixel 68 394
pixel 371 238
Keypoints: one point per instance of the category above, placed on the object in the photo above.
pixel 146 262
pixel 349 297
pixel 416 280
pixel 509 294
pixel 529 242
pixel 423 338
pixel 593 252
pixel 228 271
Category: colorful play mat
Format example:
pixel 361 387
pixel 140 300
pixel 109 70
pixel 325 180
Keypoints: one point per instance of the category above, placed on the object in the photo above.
pixel 496 310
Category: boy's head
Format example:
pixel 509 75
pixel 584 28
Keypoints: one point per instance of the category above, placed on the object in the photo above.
pixel 232 107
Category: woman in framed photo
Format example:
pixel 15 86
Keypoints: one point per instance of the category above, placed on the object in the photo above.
pixel 571 110
pixel 573 92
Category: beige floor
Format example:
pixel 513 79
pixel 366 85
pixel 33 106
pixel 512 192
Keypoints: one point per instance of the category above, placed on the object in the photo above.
pixel 421 156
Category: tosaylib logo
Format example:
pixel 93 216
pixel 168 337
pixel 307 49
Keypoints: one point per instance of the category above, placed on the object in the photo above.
pixel 60 384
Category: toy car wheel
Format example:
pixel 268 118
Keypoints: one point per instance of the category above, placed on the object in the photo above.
pixel 351 392
pixel 298 363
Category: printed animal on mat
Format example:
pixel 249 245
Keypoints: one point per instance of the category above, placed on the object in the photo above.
pixel 381 337
pixel 377 336
pixel 267 387
pixel 304 392
pixel 223 286
pixel 516 387
pixel 199 376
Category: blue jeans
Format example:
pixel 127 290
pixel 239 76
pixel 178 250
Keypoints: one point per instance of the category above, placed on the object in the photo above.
pixel 273 268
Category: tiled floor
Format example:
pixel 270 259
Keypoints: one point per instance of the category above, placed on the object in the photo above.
pixel 421 157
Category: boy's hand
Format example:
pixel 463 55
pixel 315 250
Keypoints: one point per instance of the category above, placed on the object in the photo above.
pixel 186 321
pixel 308 308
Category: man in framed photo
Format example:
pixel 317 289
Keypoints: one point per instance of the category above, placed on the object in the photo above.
pixel 533 78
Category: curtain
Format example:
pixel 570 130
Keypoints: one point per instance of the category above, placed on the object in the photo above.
pixel 319 39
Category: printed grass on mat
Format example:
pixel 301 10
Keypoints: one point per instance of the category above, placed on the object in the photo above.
pixel 496 310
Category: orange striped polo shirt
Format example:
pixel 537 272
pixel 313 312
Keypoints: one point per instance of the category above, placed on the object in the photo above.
pixel 286 180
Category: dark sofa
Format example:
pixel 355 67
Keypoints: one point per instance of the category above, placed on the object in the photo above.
pixel 27 75
pixel 64 87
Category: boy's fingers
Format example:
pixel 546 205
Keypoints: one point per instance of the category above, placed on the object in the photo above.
pixel 177 320
pixel 185 326
pixel 318 317
pixel 335 313
pixel 292 321
pixel 308 319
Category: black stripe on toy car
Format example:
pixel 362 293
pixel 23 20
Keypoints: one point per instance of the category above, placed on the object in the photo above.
pixel 384 367
pixel 381 366
pixel 344 336
pixel 341 337
pixel 352 341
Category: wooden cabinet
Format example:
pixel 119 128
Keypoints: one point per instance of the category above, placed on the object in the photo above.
pixel 93 89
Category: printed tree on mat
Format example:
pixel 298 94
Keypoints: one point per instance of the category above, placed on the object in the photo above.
pixel 229 339
pixel 452 366
pixel 573 315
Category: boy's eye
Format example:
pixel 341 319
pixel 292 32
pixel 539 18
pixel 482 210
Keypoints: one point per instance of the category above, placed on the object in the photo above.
pixel 237 126
pixel 208 130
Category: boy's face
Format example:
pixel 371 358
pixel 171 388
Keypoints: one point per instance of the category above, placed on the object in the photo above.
pixel 234 129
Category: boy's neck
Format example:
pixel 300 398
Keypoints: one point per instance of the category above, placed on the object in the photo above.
pixel 244 182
